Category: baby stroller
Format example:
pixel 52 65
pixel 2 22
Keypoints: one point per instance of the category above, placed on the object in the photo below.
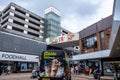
pixel 33 74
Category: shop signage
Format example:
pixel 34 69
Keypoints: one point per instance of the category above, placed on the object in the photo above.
pixel 18 57
pixel 11 56
pixel 65 38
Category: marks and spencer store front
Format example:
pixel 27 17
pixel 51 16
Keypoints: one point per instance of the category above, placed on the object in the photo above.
pixel 18 62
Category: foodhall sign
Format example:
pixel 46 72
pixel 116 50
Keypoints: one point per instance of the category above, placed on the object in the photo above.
pixel 11 56
pixel 6 56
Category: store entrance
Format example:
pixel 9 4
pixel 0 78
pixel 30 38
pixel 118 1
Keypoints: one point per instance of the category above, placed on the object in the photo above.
pixel 19 66
pixel 4 64
pixel 25 66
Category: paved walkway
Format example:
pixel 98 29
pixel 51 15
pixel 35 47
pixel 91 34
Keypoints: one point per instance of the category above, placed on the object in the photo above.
pixel 26 76
pixel 82 77
pixel 17 76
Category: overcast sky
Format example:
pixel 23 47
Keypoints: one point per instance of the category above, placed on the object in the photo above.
pixel 75 14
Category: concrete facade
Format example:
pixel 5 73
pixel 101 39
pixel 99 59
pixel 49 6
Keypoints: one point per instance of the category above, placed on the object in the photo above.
pixel 20 21
pixel 18 44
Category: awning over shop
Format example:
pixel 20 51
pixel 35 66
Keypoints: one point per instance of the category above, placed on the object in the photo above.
pixel 93 55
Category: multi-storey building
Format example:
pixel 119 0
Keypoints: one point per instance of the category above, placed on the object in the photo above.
pixel 94 44
pixel 53 22
pixel 100 44
pixel 18 20
pixel 21 36
pixel 96 37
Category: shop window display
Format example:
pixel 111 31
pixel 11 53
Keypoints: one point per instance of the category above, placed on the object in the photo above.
pixel 24 66
pixel 107 67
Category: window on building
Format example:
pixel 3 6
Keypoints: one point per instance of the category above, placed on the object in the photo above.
pixel 4 22
pixel 35 18
pixel 17 29
pixel 34 23
pixel 20 11
pixel 33 28
pixel 5 16
pixel 6 10
pixel 20 17
pixel 102 39
pixel 33 34
pixel 89 42
pixel 18 23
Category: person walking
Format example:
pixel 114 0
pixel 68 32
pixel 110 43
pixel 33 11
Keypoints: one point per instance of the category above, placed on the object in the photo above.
pixel 87 70
pixel 37 69
pixel 72 70
pixel 8 70
pixel 76 69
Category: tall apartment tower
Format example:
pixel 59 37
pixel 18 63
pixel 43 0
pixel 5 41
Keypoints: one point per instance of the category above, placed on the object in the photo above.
pixel 20 21
pixel 53 22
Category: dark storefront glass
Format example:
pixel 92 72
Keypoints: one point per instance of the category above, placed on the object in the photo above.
pixel 107 67
pixel 89 42
pixel 24 66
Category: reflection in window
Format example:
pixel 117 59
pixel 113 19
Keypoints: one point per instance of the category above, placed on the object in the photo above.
pixel 89 42
pixel 102 40
pixel 117 10
pixel 24 66
pixel 107 67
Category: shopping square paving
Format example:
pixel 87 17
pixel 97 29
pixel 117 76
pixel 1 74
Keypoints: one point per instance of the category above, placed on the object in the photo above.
pixel 26 76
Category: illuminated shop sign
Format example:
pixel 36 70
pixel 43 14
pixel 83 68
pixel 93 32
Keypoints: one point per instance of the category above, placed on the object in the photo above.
pixel 48 55
pixel 6 56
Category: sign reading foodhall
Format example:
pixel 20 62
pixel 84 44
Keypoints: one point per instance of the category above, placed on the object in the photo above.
pixel 10 56
pixel 7 56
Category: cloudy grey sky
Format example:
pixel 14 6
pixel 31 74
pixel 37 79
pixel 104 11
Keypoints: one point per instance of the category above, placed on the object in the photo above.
pixel 75 14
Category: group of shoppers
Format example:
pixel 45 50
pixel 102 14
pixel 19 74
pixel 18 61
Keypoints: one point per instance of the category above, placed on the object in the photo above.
pixel 75 69
pixel 87 70
pixel 5 69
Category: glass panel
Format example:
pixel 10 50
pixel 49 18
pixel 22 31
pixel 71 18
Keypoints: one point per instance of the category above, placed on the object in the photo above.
pixel 116 22
pixel 102 40
pixel 117 10
pixel 106 67
pixel 89 42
